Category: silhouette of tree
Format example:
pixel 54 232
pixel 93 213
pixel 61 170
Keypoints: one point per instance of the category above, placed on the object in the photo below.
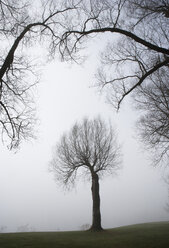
pixel 153 102
pixel 137 49
pixel 2 229
pixel 91 149
pixel 25 228
pixel 136 54
pixel 22 25
pixel 142 44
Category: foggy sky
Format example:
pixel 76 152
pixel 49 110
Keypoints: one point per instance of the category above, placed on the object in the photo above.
pixel 28 192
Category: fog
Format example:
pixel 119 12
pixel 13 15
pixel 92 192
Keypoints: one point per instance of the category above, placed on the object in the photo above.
pixel 30 197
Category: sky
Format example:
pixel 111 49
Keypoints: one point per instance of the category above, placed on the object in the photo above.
pixel 29 196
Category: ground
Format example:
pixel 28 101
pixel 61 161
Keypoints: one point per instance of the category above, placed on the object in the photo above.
pixel 150 235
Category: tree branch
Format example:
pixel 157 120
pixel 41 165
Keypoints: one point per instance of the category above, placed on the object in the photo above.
pixel 121 31
pixel 148 73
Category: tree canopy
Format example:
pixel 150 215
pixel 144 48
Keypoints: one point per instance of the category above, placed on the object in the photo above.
pixel 135 59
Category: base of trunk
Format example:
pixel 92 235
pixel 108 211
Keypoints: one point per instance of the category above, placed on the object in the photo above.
pixel 96 229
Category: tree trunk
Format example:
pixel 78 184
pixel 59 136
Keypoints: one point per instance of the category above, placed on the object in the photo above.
pixel 96 222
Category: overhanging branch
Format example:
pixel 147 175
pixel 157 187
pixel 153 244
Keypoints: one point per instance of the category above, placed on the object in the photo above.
pixel 148 73
pixel 120 31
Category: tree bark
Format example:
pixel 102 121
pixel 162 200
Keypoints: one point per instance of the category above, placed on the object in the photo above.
pixel 96 222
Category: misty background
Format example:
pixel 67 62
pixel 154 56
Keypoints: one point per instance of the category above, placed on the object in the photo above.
pixel 29 195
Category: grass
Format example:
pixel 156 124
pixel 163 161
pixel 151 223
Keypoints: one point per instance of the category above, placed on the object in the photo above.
pixel 150 235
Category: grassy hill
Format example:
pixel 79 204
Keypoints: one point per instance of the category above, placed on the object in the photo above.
pixel 150 235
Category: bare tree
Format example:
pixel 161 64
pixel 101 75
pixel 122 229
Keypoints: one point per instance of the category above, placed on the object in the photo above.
pixel 84 227
pixel 26 228
pixel 153 125
pixel 138 52
pixel 137 47
pixel 142 47
pixel 90 148
pixel 23 24
pixel 166 181
pixel 2 229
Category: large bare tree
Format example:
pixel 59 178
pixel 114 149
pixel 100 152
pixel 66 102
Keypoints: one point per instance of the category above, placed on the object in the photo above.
pixel 91 149
pixel 136 32
pixel 136 55
pixel 23 25
pixel 140 50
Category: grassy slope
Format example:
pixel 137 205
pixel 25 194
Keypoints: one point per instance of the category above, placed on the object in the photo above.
pixel 152 235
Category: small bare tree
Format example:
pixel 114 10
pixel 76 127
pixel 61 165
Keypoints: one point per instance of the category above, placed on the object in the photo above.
pixel 91 146
pixel 2 229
